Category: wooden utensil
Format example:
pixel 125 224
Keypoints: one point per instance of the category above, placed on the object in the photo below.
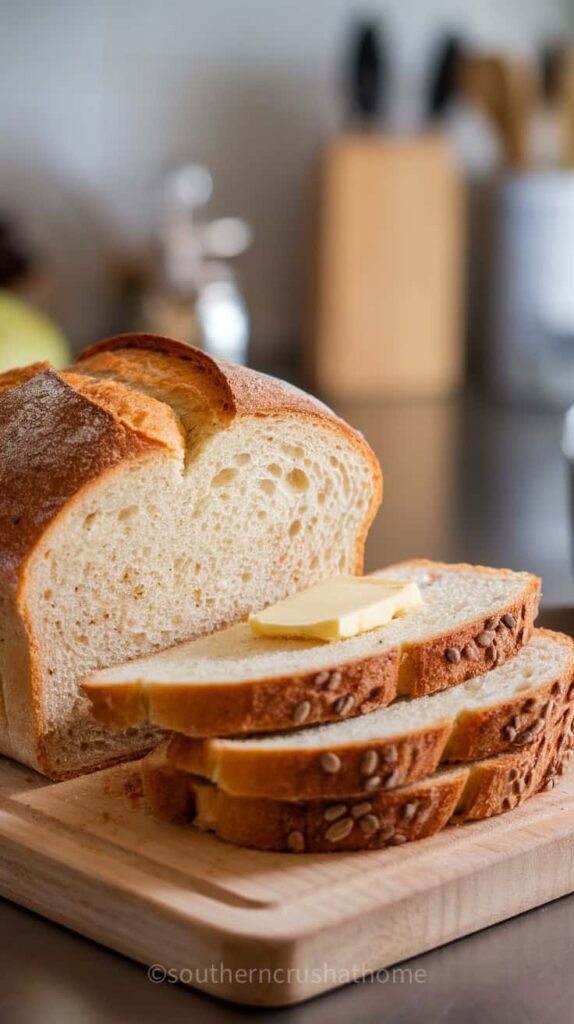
pixel 506 91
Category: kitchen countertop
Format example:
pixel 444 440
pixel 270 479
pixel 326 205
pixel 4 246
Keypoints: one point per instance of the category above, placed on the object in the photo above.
pixel 463 482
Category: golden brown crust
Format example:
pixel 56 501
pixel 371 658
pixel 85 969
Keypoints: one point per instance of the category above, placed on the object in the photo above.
pixel 467 793
pixel 55 442
pixel 65 429
pixel 20 374
pixel 310 827
pixel 424 667
pixel 233 391
pixel 363 685
pixel 397 760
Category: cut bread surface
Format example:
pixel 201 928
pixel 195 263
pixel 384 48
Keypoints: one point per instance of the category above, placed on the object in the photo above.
pixel 150 496
pixel 234 682
pixel 501 710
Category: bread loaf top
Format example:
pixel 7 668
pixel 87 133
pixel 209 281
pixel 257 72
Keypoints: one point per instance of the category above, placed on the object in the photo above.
pixel 126 398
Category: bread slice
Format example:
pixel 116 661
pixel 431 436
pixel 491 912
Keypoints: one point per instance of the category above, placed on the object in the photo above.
pixel 152 495
pixel 500 711
pixel 233 682
pixel 468 792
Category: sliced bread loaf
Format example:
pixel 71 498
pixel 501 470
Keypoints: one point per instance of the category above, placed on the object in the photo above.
pixel 152 495
pixel 386 818
pixel 233 682
pixel 502 710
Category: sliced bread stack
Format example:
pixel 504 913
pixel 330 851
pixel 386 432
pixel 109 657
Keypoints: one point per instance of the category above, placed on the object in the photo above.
pixel 456 711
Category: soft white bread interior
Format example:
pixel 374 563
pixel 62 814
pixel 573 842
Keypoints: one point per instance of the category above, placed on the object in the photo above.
pixel 150 496
pixel 502 710
pixel 234 682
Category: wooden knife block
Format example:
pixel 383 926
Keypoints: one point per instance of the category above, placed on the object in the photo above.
pixel 389 274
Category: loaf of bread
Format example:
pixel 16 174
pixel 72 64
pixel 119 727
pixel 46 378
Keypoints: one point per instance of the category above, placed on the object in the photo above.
pixel 471 619
pixel 503 710
pixel 479 789
pixel 148 496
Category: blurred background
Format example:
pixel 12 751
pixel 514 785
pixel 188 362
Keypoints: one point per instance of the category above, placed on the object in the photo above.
pixel 373 201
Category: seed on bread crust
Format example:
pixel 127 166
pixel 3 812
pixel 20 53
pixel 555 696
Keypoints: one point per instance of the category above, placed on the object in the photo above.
pixel 491 623
pixel 509 733
pixel 302 712
pixel 386 832
pixel 330 762
pixel 509 621
pixel 390 754
pixel 335 811
pixel 340 830
pixel 369 824
pixel 453 655
pixel 397 839
pixel 373 783
pixel 322 678
pixel 369 762
pixel 334 680
pixel 343 705
pixel 409 811
pixel 296 841
pixel 485 639
pixel 359 810
pixel 469 650
pixel 392 780
pixel 524 737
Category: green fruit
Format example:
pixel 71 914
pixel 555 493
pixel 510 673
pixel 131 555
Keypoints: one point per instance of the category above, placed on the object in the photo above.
pixel 28 336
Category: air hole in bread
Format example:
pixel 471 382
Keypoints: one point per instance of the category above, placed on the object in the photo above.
pixel 246 576
pixel 243 458
pixel 267 486
pixel 298 480
pixel 274 469
pixel 224 477
pixel 89 520
pixel 295 527
pixel 83 639
pixel 127 513
pixel 261 513
pixel 48 595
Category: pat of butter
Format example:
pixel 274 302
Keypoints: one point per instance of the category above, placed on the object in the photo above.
pixel 337 608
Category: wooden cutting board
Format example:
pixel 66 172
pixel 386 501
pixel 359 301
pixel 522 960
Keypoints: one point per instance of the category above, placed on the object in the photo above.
pixel 265 929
